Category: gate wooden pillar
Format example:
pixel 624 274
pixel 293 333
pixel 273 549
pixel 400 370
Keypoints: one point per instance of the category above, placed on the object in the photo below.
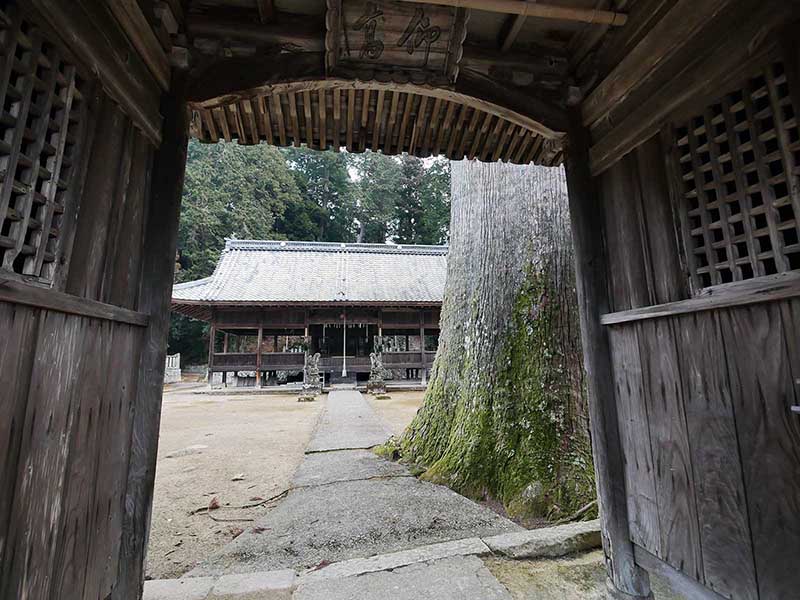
pixel 161 238
pixel 626 580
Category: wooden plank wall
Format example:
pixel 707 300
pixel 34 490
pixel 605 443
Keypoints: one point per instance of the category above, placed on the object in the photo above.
pixel 69 388
pixel 712 451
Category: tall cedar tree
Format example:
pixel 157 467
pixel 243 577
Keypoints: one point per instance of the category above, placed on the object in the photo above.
pixel 504 415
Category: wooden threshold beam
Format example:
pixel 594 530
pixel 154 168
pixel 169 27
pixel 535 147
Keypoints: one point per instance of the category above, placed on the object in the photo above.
pixel 531 8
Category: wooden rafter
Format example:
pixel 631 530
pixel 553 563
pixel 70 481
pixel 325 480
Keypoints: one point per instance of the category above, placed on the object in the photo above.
pixel 392 121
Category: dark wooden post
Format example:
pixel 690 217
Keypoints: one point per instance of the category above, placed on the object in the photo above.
pixel 212 334
pixel 422 343
pixel 626 580
pixel 258 355
pixel 225 351
pixel 154 299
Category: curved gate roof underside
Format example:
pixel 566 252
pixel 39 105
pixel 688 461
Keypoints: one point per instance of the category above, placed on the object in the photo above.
pixel 390 117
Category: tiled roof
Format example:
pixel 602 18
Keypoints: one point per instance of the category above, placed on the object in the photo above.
pixel 276 272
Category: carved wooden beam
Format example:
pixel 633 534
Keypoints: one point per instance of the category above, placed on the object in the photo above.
pixel 531 8
pixel 676 29
pixel 141 35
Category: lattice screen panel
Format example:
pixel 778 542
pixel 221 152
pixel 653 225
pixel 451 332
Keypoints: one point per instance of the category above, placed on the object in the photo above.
pixel 738 178
pixel 40 125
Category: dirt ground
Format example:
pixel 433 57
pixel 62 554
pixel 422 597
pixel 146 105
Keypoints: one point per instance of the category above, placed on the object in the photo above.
pixel 573 577
pixel 399 410
pixel 239 449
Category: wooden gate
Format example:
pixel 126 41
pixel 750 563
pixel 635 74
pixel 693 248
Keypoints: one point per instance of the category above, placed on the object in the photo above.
pixel 705 336
pixel 88 215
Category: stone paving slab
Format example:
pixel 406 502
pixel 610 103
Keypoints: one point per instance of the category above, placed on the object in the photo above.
pixel 354 519
pixel 345 465
pixel 386 562
pixel 270 585
pixel 549 541
pixel 348 422
pixel 456 578
pixel 196 588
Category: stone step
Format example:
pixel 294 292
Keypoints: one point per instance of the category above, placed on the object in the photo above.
pixel 443 571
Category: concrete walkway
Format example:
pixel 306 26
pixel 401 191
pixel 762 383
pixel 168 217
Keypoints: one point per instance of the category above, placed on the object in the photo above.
pixel 348 503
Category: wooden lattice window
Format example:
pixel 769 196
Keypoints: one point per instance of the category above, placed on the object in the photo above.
pixel 739 199
pixel 40 126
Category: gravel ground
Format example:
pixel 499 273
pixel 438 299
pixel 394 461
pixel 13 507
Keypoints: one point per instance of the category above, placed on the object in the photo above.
pixel 399 410
pixel 206 443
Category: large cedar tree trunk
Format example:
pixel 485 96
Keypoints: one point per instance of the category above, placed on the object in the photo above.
pixel 504 415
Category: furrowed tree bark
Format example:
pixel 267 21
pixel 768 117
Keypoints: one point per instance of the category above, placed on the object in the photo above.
pixel 504 416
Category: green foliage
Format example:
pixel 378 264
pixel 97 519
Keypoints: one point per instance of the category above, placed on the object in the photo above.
pixel 261 192
pixel 231 191
pixel 422 210
pixel 329 194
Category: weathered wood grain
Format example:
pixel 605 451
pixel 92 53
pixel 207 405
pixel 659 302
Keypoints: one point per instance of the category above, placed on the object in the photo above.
pixel 663 265
pixel 123 281
pixel 628 277
pixel 92 33
pixel 679 582
pixel 19 325
pixel 763 391
pixel 635 435
pixel 115 421
pixel 89 250
pixel 663 392
pixel 129 15
pixel 42 465
pixel 733 55
pixel 74 535
pixel 665 38
pixel 727 550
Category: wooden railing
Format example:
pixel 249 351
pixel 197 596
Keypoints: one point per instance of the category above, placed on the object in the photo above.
pixel 272 361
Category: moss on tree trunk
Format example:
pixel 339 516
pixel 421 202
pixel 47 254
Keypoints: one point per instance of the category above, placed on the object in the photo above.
pixel 504 415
